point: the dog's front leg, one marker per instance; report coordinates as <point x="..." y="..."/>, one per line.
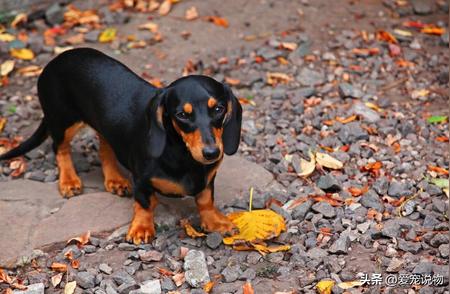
<point x="212" y="220"/>
<point x="142" y="228"/>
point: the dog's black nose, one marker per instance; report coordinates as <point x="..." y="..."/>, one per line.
<point x="210" y="152"/>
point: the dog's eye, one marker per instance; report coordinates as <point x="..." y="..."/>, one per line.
<point x="218" y="110"/>
<point x="182" y="115"/>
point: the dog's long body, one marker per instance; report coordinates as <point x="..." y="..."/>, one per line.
<point x="172" y="140"/>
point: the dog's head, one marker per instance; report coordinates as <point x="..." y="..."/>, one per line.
<point x="203" y="112"/>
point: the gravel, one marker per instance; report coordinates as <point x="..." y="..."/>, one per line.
<point x="196" y="270"/>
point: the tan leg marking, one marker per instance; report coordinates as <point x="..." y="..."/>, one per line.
<point x="142" y="228"/>
<point x="69" y="182"/>
<point x="115" y="182"/>
<point x="212" y="220"/>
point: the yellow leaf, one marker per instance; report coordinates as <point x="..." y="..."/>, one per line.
<point x="307" y="167"/>
<point x="108" y="35"/>
<point x="373" y="106"/>
<point x="59" y="50"/>
<point x="6" y="67"/>
<point x="24" y="53"/>
<point x="325" y="286"/>
<point x="190" y="231"/>
<point x="255" y="225"/>
<point x="165" y="7"/>
<point x="3" y="121"/>
<point x="349" y="284"/>
<point x="5" y="37"/>
<point x="208" y="286"/>
<point x="263" y="249"/>
<point x="328" y="161"/>
<point x="70" y="287"/>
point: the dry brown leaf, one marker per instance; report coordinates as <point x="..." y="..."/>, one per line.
<point x="209" y="286"/>
<point x="332" y="200"/>
<point x="165" y="7"/>
<point x="190" y="231"/>
<point x="178" y="279"/>
<point x="307" y="167"/>
<point x="75" y="264"/>
<point x="386" y="36"/>
<point x="69" y="288"/>
<point x="59" y="267"/>
<point x="30" y="71"/>
<point x="151" y="26"/>
<point x="350" y="284"/>
<point x="7" y="67"/>
<point x="291" y="46"/>
<point x="442" y="139"/>
<point x="263" y="248"/>
<point x="218" y="21"/>
<point x="75" y="39"/>
<point x="433" y="31"/>
<point x="56" y="279"/>
<point x="81" y="240"/>
<point x="274" y="78"/>
<point x="191" y="13"/>
<point x="328" y="161"/>
<point x="4" y="277"/>
<point x="232" y="81"/>
<point x="247" y="288"/>
<point x="346" y="120"/>
<point x="18" y="166"/>
<point x="356" y="192"/>
<point x="437" y="169"/>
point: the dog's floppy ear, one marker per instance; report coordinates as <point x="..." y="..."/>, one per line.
<point x="232" y="124"/>
<point x="156" y="133"/>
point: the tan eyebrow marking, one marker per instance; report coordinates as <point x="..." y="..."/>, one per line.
<point x="212" y="102"/>
<point x="187" y="108"/>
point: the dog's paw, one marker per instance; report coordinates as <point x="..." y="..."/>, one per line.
<point x="215" y="221"/>
<point x="119" y="186"/>
<point x="70" y="187"/>
<point x="139" y="232"/>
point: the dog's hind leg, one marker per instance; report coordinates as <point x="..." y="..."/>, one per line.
<point x="115" y="182"/>
<point x="69" y="182"/>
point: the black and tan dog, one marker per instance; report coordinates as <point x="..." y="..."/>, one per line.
<point x="172" y="140"/>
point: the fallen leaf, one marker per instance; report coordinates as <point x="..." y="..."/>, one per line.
<point x="108" y="35"/>
<point x="23" y="53"/>
<point x="59" y="267"/>
<point x="386" y="36"/>
<point x="19" y="19"/>
<point x="366" y="51"/>
<point x="439" y="170"/>
<point x="349" y="284"/>
<point x="437" y="119"/>
<point x="418" y="93"/>
<point x="75" y="39"/>
<point x="328" y="161"/>
<point x="327" y="198"/>
<point x="274" y="78"/>
<point x="307" y="167"/>
<point x="255" y="225"/>
<point x="263" y="249"/>
<point x="218" y="21"/>
<point x="232" y="82"/>
<point x="403" y="33"/>
<point x="209" y="286"/>
<point x="178" y="279"/>
<point x="442" y="139"/>
<point x="394" y="50"/>
<point x="325" y="286"/>
<point x="441" y="183"/>
<point x="404" y="63"/>
<point x="18" y="166"/>
<point x="59" y="50"/>
<point x="75" y="264"/>
<point x="69" y="288"/>
<point x="191" y="13"/>
<point x="5" y="37"/>
<point x="433" y="31"/>
<point x="291" y="46"/>
<point x="165" y="7"/>
<point x="3" y="122"/>
<point x="356" y="192"/>
<point x="69" y="254"/>
<point x="247" y="288"/>
<point x="81" y="240"/>
<point x="151" y="26"/>
<point x="56" y="279"/>
<point x="346" y="120"/>
<point x="282" y="60"/>
<point x="7" y="67"/>
<point x="30" y="71"/>
<point x="74" y="16"/>
<point x="165" y="272"/>
<point x="413" y="24"/>
<point x="8" y="291"/>
<point x="4" y="277"/>
<point x="190" y="231"/>
<point x="373" y="168"/>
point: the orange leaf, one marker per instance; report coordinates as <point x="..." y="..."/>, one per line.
<point x="59" y="267"/>
<point x="247" y="288"/>
<point x="165" y="272"/>
<point x="232" y="82"/>
<point x="358" y="191"/>
<point x="4" y="277"/>
<point x="69" y="255"/>
<point x="404" y="63"/>
<point x="398" y="202"/>
<point x="19" y="166"/>
<point x="326" y="231"/>
<point x="387" y="37"/>
<point x="218" y="21"/>
<point x="439" y="170"/>
<point x="81" y="240"/>
<point x="208" y="286"/>
<point x="327" y="198"/>
<point x="442" y="139"/>
<point x="414" y="24"/>
<point x="190" y="231"/>
<point x="165" y="7"/>
<point x="396" y="146"/>
<point x="433" y="31"/>
<point x="75" y="264"/>
<point x="344" y="148"/>
<point x="346" y="120"/>
<point x="178" y="279"/>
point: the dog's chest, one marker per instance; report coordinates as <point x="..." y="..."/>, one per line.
<point x="187" y="184"/>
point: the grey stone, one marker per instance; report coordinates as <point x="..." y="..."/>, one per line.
<point x="213" y="240"/>
<point x="300" y="211"/>
<point x="248" y="274"/>
<point x="196" y="270"/>
<point x="347" y="90"/>
<point x="92" y="36"/>
<point x="422" y="7"/>
<point x="393" y="227"/>
<point x="37" y="176"/>
<point x="316" y="253"/>
<point x="122" y="277"/>
<point x="126" y="288"/>
<point x="325" y="209"/>
<point x="430" y="221"/>
<point x="167" y="284"/>
<point x="423" y="268"/>
<point x="370" y="199"/>
<point x="308" y="77"/>
<point x="352" y="132"/>
<point x="148" y="287"/>
<point x="54" y="14"/>
<point x="76" y="252"/>
<point x="399" y="189"/>
<point x="329" y="183"/>
<point x="105" y="268"/>
<point x="413" y="247"/>
<point x="231" y="273"/>
<point x="85" y="280"/>
<point x="341" y="245"/>
<point x="127" y="246"/>
<point x="37" y="288"/>
<point x="444" y="250"/>
<point x="151" y="255"/>
<point x="439" y="239"/>
<point x="306" y="92"/>
<point x="368" y="114"/>
<point x="395" y="265"/>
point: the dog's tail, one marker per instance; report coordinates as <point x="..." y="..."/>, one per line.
<point x="35" y="140"/>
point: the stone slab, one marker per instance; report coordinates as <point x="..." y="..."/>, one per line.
<point x="33" y="214"/>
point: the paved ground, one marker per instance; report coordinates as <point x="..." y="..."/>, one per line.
<point x="363" y="81"/>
